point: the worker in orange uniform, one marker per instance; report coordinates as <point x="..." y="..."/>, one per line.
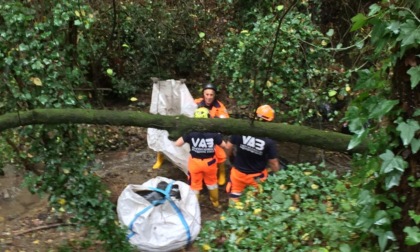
<point x="217" y="110"/>
<point x="202" y="161"/>
<point x="253" y="156"/>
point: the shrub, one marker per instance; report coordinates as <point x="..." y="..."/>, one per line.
<point x="299" y="209"/>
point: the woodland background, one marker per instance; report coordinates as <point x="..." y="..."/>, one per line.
<point x="343" y="62"/>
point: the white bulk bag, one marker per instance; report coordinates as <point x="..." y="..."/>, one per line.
<point x="170" y="97"/>
<point x="167" y="225"/>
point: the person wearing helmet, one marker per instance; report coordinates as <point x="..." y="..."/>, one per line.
<point x="217" y="110"/>
<point x="202" y="163"/>
<point x="253" y="156"/>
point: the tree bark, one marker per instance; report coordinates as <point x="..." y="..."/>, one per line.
<point x="409" y="101"/>
<point x="178" y="125"/>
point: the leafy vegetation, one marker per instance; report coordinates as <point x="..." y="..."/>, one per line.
<point x="46" y="57"/>
<point x="57" y="54"/>
<point x="303" y="208"/>
<point x="282" y="59"/>
<point x="384" y="112"/>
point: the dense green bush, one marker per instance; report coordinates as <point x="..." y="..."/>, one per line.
<point x="303" y="208"/>
<point x="155" y="39"/>
<point x="46" y="55"/>
<point x="283" y="61"/>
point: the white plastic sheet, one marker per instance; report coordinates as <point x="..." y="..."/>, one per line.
<point x="170" y="97"/>
<point x="169" y="226"/>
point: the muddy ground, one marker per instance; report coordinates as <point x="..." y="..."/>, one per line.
<point x="27" y="223"/>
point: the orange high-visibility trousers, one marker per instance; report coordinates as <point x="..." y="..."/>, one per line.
<point x="239" y="181"/>
<point x="201" y="169"/>
<point x="220" y="154"/>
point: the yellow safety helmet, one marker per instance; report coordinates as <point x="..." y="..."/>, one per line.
<point x="265" y="112"/>
<point x="202" y="113"/>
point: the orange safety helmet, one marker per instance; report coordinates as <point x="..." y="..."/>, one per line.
<point x="265" y="112"/>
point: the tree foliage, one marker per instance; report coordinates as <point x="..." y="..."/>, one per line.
<point x="46" y="52"/>
<point x="281" y="58"/>
<point x="388" y="103"/>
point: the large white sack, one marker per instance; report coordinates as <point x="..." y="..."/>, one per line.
<point x="169" y="226"/>
<point x="170" y="97"/>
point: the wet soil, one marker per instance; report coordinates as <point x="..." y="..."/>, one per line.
<point x="27" y="223"/>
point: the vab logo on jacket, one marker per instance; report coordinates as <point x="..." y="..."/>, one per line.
<point x="203" y="142"/>
<point x="253" y="142"/>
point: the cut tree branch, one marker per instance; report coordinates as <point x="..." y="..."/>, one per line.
<point x="178" y="125"/>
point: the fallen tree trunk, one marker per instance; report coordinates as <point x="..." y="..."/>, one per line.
<point x="177" y="125"/>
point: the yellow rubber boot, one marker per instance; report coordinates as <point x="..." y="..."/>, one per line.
<point x="159" y="160"/>
<point x="214" y="197"/>
<point x="197" y="194"/>
<point x="221" y="174"/>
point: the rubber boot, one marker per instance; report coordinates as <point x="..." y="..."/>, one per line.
<point x="214" y="197"/>
<point x="197" y="194"/>
<point x="221" y="174"/>
<point x="159" y="160"/>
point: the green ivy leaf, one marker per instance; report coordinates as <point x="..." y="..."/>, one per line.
<point x="414" y="216"/>
<point x="409" y="34"/>
<point x="394" y="27"/>
<point x="365" y="198"/>
<point x="364" y="222"/>
<point x="345" y="248"/>
<point x="355" y="141"/>
<point x="332" y="93"/>
<point x="408" y="130"/>
<point x="330" y="32"/>
<point x="382" y="108"/>
<point x="23" y="47"/>
<point x="201" y="34"/>
<point x="37" y="65"/>
<point x="415" y="145"/>
<point x="383" y="237"/>
<point x="392" y="179"/>
<point x="358" y="21"/>
<point x="413" y="236"/>
<point x="374" y="8"/>
<point x="381" y="218"/>
<point x="414" y="73"/>
<point x="280" y="7"/>
<point x="278" y="196"/>
<point x="43" y="99"/>
<point x="359" y="44"/>
<point x="391" y="162"/>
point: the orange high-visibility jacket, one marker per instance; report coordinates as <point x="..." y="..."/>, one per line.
<point x="217" y="109"/>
